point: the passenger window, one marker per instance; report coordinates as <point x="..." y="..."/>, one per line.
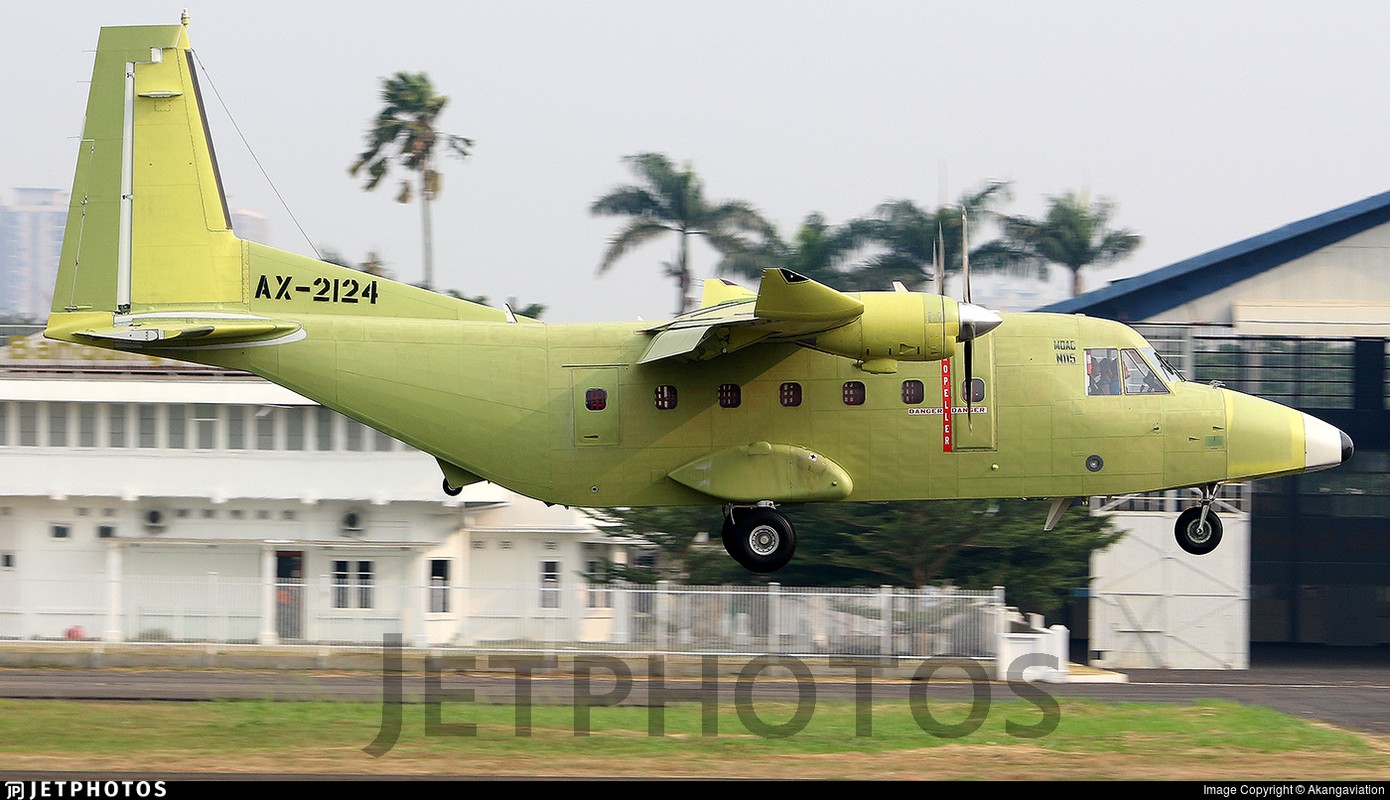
<point x="974" y="389"/>
<point x="1102" y="371"/>
<point x="854" y="393"/>
<point x="914" y="393"/>
<point x="665" y="397"/>
<point x="790" y="395"/>
<point x="730" y="396"/>
<point x="594" y="400"/>
<point x="1139" y="377"/>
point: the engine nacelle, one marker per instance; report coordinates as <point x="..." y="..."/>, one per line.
<point x="897" y="326"/>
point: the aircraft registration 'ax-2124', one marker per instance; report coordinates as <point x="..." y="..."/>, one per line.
<point x="795" y="394"/>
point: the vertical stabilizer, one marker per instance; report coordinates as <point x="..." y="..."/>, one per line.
<point x="148" y="225"/>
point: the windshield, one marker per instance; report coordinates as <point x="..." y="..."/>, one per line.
<point x="1168" y="371"/>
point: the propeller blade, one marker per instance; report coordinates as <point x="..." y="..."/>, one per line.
<point x="938" y="258"/>
<point x="964" y="258"/>
<point x="969" y="383"/>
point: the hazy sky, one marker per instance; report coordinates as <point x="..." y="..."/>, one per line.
<point x="1206" y="122"/>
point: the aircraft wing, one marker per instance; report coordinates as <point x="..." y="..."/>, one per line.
<point x="787" y="307"/>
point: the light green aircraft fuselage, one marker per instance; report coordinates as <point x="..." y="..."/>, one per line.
<point x="795" y="394"/>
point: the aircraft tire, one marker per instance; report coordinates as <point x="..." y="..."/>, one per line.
<point x="1195" y="538"/>
<point x="761" y="540"/>
<point x="452" y="491"/>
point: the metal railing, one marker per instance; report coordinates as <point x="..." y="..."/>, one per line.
<point x="600" y="618"/>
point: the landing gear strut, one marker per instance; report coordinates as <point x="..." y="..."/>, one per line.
<point x="1199" y="529"/>
<point x="760" y="539"/>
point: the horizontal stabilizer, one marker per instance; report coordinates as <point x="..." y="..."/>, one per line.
<point x="163" y="331"/>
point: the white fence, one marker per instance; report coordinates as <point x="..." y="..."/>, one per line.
<point x="616" y="618"/>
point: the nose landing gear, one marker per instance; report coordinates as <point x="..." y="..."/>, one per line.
<point x="1198" y="529"/>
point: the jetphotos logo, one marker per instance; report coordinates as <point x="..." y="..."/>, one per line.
<point x="601" y="681"/>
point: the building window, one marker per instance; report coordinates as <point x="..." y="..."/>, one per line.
<point x="595" y="399"/>
<point x="789" y="395"/>
<point x="59" y="531"/>
<point x="853" y="393"/>
<point x="439" y="585"/>
<point x="323" y="429"/>
<point x="57" y="424"/>
<point x="264" y="423"/>
<point x="28" y="425"/>
<point x="665" y="397"/>
<point x="236" y="427"/>
<point x="914" y="393"/>
<point x="115" y="426"/>
<point x="730" y="395"/>
<point x="600" y="593"/>
<point x="294" y="428"/>
<point x="7" y="560"/>
<point x="86" y="425"/>
<point x="149" y="426"/>
<point x="550" y="584"/>
<point x="106" y="531"/>
<point x="4" y="424"/>
<point x="178" y="425"/>
<point x="352" y="584"/>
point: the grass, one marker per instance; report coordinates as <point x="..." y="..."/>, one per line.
<point x="1213" y="740"/>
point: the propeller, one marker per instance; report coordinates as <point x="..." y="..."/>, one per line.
<point x="975" y="321"/>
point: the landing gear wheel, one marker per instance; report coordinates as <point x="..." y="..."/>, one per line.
<point x="1193" y="535"/>
<point x="760" y="539"/>
<point x="452" y="491"/>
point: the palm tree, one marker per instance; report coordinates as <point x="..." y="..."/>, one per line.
<point x="1075" y="233"/>
<point x="670" y="200"/>
<point x="909" y="236"/>
<point x="820" y="251"/>
<point x="404" y="132"/>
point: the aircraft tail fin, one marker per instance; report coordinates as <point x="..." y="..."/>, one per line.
<point x="149" y="241"/>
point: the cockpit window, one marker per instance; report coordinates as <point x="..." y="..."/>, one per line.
<point x="1102" y="371"/>
<point x="1139" y="377"/>
<point x="1167" y="370"/>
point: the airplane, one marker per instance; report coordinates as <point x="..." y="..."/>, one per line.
<point x="793" y="394"/>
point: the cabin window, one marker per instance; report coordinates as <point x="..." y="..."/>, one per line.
<point x="596" y="399"/>
<point x="853" y="393"/>
<point x="914" y="392"/>
<point x="1139" y="377"/>
<point x="974" y="389"/>
<point x="730" y="395"/>
<point x="1102" y="371"/>
<point x="790" y="394"/>
<point x="665" y="397"/>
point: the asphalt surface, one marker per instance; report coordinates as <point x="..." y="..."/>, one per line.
<point x="1346" y="687"/>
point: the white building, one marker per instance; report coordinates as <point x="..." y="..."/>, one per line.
<point x="31" y="238"/>
<point x="144" y="499"/>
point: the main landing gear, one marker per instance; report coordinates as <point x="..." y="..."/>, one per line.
<point x="759" y="538"/>
<point x="1199" y="529"/>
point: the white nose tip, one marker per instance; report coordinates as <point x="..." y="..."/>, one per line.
<point x="1324" y="445"/>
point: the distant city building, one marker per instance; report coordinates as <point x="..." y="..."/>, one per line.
<point x="31" y="238"/>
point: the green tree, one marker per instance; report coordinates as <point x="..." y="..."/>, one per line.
<point x="907" y="236"/>
<point x="974" y="544"/>
<point x="405" y="133"/>
<point x="820" y="251"/>
<point x="666" y="199"/>
<point x="1074" y="233"/>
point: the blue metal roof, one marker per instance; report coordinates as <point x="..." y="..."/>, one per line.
<point x="1150" y="294"/>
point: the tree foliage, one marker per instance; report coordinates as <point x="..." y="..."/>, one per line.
<point x="1074" y="233"/>
<point x="975" y="544"/>
<point x="405" y="133"/>
<point x="669" y="199"/>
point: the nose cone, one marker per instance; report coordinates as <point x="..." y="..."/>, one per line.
<point x="976" y="321"/>
<point x="1324" y="446"/>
